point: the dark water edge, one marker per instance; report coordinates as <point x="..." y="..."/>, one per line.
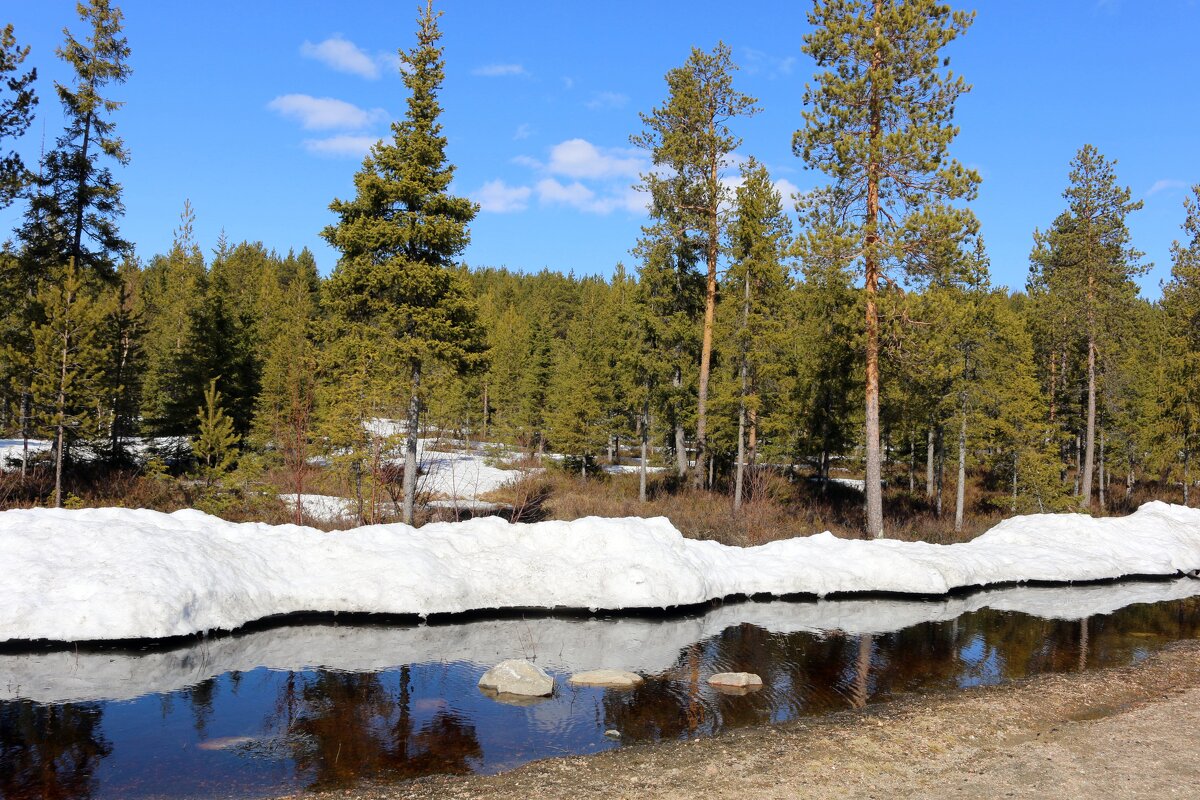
<point x="329" y="705"/>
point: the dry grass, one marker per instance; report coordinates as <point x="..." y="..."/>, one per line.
<point x="775" y="508"/>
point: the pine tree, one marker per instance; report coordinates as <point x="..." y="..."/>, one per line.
<point x="74" y="210"/>
<point x="690" y="141"/>
<point x="215" y="442"/>
<point x="758" y="285"/>
<point x="16" y="113"/>
<point x="827" y="346"/>
<point x="1084" y="265"/>
<point x="177" y="371"/>
<point x="579" y="389"/>
<point x="67" y="363"/>
<point x="399" y="237"/>
<point x="879" y="122"/>
<point x="1181" y="304"/>
<point x="671" y="294"/>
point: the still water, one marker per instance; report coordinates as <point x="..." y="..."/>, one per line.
<point x="324" y="706"/>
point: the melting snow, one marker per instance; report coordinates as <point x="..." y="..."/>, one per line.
<point x="120" y="573"/>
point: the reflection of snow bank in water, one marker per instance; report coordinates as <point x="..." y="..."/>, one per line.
<point x="562" y="645"/>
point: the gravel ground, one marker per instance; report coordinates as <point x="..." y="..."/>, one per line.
<point x="1116" y="733"/>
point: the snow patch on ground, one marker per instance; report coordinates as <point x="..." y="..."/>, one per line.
<point x="117" y="573"/>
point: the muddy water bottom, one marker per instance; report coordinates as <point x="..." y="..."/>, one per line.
<point x="324" y="706"/>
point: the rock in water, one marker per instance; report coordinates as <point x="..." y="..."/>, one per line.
<point x="735" y="680"/>
<point x="612" y="678"/>
<point x="516" y="676"/>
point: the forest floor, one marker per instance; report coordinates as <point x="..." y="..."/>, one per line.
<point x="1116" y="733"/>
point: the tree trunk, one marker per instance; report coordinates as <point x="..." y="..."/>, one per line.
<point x="81" y="194"/>
<point x="681" y="459"/>
<point x="752" y="446"/>
<point x="486" y="412"/>
<point x="1102" y="475"/>
<point x="1014" y="491"/>
<point x="741" y="442"/>
<point x="24" y="435"/>
<point x="874" y="477"/>
<point x="410" y="446"/>
<point x="941" y="470"/>
<point x="960" y="490"/>
<point x="912" y="464"/>
<point x="1089" y="444"/>
<point x="62" y="407"/>
<point x="929" y="457"/>
<point x="644" y="426"/>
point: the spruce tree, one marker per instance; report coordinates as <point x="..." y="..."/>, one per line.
<point x="1084" y="267"/>
<point x="399" y="238"/>
<point x="67" y="363"/>
<point x="215" y="442"/>
<point x="76" y="203"/>
<point x="690" y="143"/>
<point x="879" y="122"/>
<point x="1181" y="304"/>
<point x="671" y="294"/>
<point x="758" y="284"/>
<point x="17" y="102"/>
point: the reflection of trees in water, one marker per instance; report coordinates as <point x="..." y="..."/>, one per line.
<point x="200" y="697"/>
<point x="348" y="726"/>
<point x="807" y="673"/>
<point x="50" y="752"/>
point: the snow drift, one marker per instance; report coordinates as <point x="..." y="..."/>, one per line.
<point x="121" y="574"/>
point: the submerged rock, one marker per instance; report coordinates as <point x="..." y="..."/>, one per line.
<point x="518" y="677"/>
<point x="612" y="678"/>
<point x="735" y="680"/>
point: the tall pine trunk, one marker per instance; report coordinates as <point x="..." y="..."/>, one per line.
<point x="1102" y="475"/>
<point x="741" y="442"/>
<point x="644" y="432"/>
<point x="1089" y="445"/>
<point x="410" y="446"/>
<point x="681" y="459"/>
<point x="929" y="454"/>
<point x="874" y="476"/>
<point x="61" y="409"/>
<point x="960" y="490"/>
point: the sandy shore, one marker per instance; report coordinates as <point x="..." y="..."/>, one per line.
<point x="1117" y="733"/>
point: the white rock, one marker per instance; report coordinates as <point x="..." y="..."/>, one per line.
<point x="516" y="676"/>
<point x="612" y="678"/>
<point x="736" y="680"/>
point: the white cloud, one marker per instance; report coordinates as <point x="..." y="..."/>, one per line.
<point x="524" y="131"/>
<point x="607" y="100"/>
<point x="568" y="83"/>
<point x="787" y="190"/>
<point x="1165" y="185"/>
<point x="499" y="70"/>
<point x="576" y="195"/>
<point x="756" y="61"/>
<point x="500" y="198"/>
<point x="324" y="113"/>
<point x="342" y="55"/>
<point x="339" y="146"/>
<point x="579" y="158"/>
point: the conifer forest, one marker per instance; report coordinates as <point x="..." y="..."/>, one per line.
<point x="759" y="366"/>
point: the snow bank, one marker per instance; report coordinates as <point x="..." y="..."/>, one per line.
<point x="120" y="573"/>
<point x="560" y="645"/>
<point x="13" y="450"/>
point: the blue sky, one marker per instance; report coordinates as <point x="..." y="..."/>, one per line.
<point x="259" y="112"/>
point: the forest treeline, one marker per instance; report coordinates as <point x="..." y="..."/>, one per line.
<point x="853" y="328"/>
